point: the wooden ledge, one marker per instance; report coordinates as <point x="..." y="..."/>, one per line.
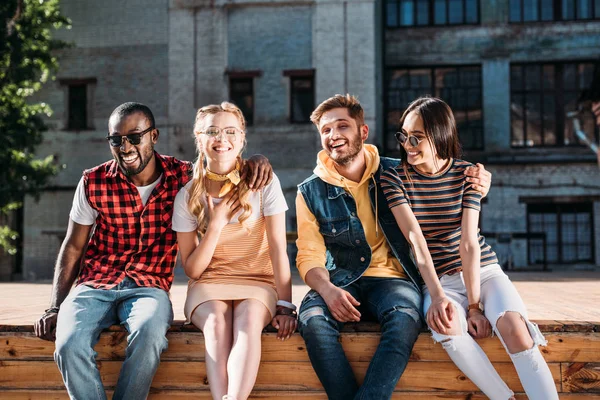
<point x="355" y="327"/>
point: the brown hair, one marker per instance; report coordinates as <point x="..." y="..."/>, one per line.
<point x="348" y="102"/>
<point x="440" y="127"/>
<point x="198" y="188"/>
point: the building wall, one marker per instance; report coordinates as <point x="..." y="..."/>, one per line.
<point x="555" y="174"/>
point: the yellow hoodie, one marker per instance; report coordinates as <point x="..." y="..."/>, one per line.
<point x="310" y="243"/>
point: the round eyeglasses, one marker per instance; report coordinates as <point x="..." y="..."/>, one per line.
<point x="214" y="132"/>
<point x="401" y="137"/>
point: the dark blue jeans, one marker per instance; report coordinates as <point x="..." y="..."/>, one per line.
<point x="396" y="305"/>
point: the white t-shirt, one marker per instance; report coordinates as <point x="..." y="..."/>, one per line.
<point x="83" y="213"/>
<point x="273" y="203"/>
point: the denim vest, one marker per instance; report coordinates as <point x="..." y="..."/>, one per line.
<point x="348" y="252"/>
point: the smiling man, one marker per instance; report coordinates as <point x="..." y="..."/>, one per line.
<point x="122" y="250"/>
<point x="354" y="257"/>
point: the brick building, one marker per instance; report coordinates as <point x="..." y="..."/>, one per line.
<point x="510" y="70"/>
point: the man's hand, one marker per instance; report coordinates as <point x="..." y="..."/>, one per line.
<point x="480" y="178"/>
<point x="479" y="326"/>
<point x="285" y="325"/>
<point x="341" y="304"/>
<point x="440" y="315"/>
<point x="259" y="170"/>
<point x="45" y="327"/>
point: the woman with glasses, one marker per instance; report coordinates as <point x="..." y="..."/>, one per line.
<point x="466" y="293"/>
<point x="233" y="248"/>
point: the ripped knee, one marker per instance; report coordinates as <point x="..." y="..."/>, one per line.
<point x="310" y="313"/>
<point x="398" y="311"/>
<point x="517" y="333"/>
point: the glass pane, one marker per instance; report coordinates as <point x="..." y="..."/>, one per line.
<point x="584" y="9"/>
<point x="399" y="79"/>
<point x="515" y="11"/>
<point x="391" y="13"/>
<point x="549" y="118"/>
<point x="517" y="121"/>
<point x="532" y="77"/>
<point x="422" y="12"/>
<point x="446" y="77"/>
<point x="533" y="120"/>
<point x="455" y="13"/>
<point x="470" y="76"/>
<point x="241" y="93"/>
<point x="570" y="100"/>
<point x="597" y="9"/>
<point x="568" y="9"/>
<point x="548" y="76"/>
<point x="530" y="10"/>
<point x="420" y="78"/>
<point x="439" y="12"/>
<point x="516" y="77"/>
<point x="586" y="74"/>
<point x="472" y="11"/>
<point x="77" y="107"/>
<point x="570" y="77"/>
<point x="303" y="99"/>
<point x="407" y="13"/>
<point x="547" y="10"/>
<point x="474" y="99"/>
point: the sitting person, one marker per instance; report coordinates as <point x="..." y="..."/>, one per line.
<point x="239" y="271"/>
<point x="466" y="292"/>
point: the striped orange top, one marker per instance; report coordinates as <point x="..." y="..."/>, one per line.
<point x="437" y="202"/>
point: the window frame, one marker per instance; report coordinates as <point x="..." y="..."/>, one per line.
<point x="296" y="75"/>
<point x="558" y="91"/>
<point x="560" y="209"/>
<point x="556" y="11"/>
<point x="244" y="76"/>
<point x="431" y="14"/>
<point x="89" y="86"/>
<point x="432" y="90"/>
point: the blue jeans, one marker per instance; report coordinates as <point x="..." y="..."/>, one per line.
<point x="396" y="305"/>
<point x="145" y="312"/>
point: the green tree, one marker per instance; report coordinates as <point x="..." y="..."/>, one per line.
<point x="26" y="63"/>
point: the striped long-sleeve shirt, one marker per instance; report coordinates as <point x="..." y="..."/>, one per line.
<point x="437" y="202"/>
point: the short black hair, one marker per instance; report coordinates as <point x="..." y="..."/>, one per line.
<point x="131" y="107"/>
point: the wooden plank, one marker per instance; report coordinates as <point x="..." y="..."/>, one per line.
<point x="275" y="395"/>
<point x="272" y="375"/>
<point x="578" y="326"/>
<point x="562" y="347"/>
<point x="581" y="377"/>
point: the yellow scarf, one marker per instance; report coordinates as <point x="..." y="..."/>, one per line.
<point x="232" y="178"/>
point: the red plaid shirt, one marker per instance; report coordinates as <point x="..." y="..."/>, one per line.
<point x="131" y="239"/>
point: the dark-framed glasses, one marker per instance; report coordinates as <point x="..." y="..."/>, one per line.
<point x="401" y="137"/>
<point x="133" y="138"/>
<point x="214" y="132"/>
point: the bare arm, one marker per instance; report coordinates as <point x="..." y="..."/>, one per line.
<point x="65" y="273"/>
<point x="470" y="255"/>
<point x="441" y="311"/>
<point x="285" y="324"/>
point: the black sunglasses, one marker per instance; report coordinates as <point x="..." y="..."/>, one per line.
<point x="412" y="140"/>
<point x="133" y="138"/>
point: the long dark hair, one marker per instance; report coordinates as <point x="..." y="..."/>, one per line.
<point x="439" y="125"/>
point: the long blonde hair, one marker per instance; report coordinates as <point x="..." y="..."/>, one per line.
<point x="197" y="191"/>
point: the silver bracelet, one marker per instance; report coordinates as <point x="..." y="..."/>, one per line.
<point x="286" y="304"/>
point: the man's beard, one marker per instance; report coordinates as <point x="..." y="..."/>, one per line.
<point x="130" y="171"/>
<point x="354" y="149"/>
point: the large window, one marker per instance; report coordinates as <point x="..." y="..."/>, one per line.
<point x="568" y="229"/>
<point x="460" y="87"/>
<point x="241" y="93"/>
<point x="404" y="13"/>
<point x="553" y="10"/>
<point x="541" y="96"/>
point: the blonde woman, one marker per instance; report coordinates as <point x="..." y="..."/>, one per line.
<point x="233" y="248"/>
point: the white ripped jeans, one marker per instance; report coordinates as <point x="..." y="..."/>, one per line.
<point x="498" y="296"/>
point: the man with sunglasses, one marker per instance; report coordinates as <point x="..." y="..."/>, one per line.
<point x="354" y="257"/>
<point x="122" y="250"/>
